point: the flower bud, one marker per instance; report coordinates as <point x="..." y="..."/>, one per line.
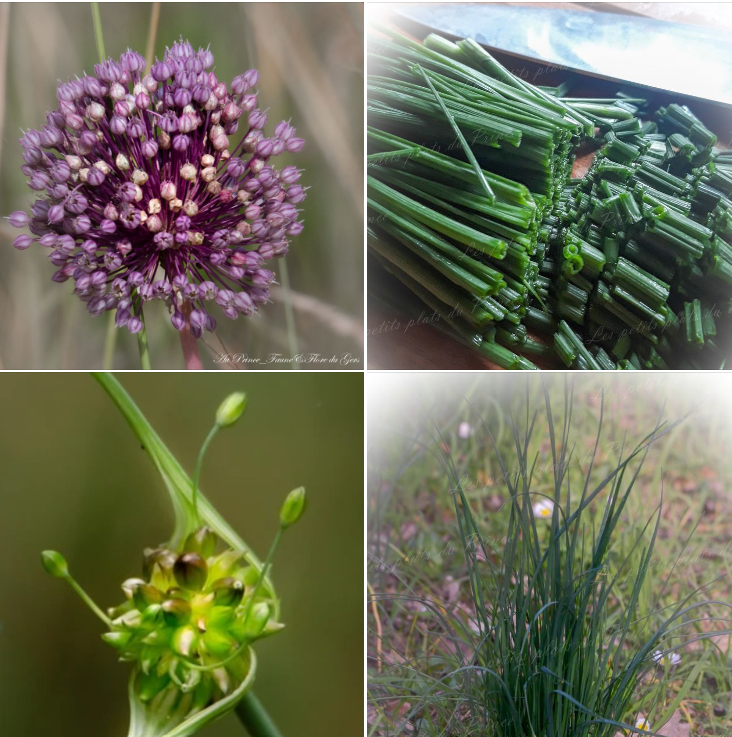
<point x="117" y="639"/>
<point x="55" y="564"/>
<point x="228" y="591"/>
<point x="185" y="640"/>
<point x="190" y="571"/>
<point x="257" y="621"/>
<point x="293" y="507"/>
<point x="231" y="409"/>
<point x="201" y="541"/>
<point x="176" y="612"/>
<point x="162" y="557"/>
<point x="145" y="594"/>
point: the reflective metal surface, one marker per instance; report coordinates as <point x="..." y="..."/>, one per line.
<point x="684" y="59"/>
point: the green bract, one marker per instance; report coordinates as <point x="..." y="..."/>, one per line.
<point x="188" y="623"/>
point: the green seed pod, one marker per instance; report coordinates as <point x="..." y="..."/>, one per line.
<point x="190" y="571"/>
<point x="231" y="409"/>
<point x="257" y="621"/>
<point x="161" y="556"/>
<point x="117" y="639"/>
<point x="176" y="612"/>
<point x="228" y="591"/>
<point x="202" y="541"/>
<point x="130" y="585"/>
<point x="185" y="640"/>
<point x="293" y="507"/>
<point x="55" y="564"/>
<point x="152" y="616"/>
<point x="218" y="643"/>
<point x="220" y="617"/>
<point x="145" y="594"/>
<point x="250" y="576"/>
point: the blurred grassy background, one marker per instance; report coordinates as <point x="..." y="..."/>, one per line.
<point x="75" y="480"/>
<point x="310" y="58"/>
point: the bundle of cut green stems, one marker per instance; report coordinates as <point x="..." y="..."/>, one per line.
<point x="472" y="207"/>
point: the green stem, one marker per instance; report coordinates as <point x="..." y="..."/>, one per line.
<point x="109" y="343"/>
<point x="142" y="344"/>
<point x="98" y="31"/>
<point x="197" y="471"/>
<point x="151" y="36"/>
<point x="265" y="570"/>
<point x="88" y="601"/>
<point x="255" y="718"/>
<point x="289" y="313"/>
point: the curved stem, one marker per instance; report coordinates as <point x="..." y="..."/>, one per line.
<point x="263" y="572"/>
<point x="98" y="31"/>
<point x="199" y="464"/>
<point x="289" y="313"/>
<point x="255" y="718"/>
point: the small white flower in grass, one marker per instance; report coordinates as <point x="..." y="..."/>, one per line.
<point x="672" y="659"/>
<point x="464" y="430"/>
<point x="543" y="508"/>
<point x="640" y="723"/>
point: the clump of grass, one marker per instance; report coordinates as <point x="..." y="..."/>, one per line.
<point x="554" y="649"/>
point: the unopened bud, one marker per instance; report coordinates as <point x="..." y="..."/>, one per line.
<point x="123" y="163"/>
<point x="55" y="564"/>
<point x="188" y="171"/>
<point x="228" y="591"/>
<point x="145" y="594"/>
<point x="185" y="640"/>
<point x="191" y="571"/>
<point x="293" y="507"/>
<point x="139" y="176"/>
<point x="168" y="190"/>
<point x="201" y="541"/>
<point x="176" y="612"/>
<point x="231" y="409"/>
<point x="190" y="208"/>
<point x="257" y="621"/>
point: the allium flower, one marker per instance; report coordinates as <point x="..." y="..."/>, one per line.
<point x="543" y="508"/>
<point x="143" y="197"/>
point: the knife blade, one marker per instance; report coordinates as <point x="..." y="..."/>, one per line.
<point x="684" y="59"/>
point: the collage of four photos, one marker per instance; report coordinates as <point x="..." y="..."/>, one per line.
<point x="382" y="212"/>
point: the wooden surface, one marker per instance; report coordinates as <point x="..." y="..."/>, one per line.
<point x="396" y="342"/>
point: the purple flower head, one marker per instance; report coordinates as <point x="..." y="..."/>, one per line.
<point x="138" y="178"/>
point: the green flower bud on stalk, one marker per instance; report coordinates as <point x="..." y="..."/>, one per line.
<point x="55" y="564"/>
<point x="292" y="507"/>
<point x="231" y="409"/>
